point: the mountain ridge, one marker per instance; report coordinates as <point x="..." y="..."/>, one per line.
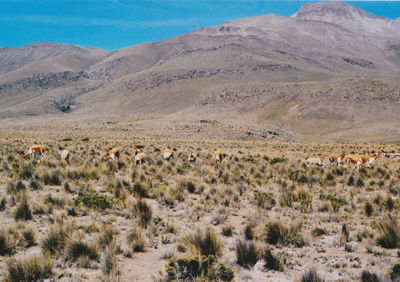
<point x="249" y="66"/>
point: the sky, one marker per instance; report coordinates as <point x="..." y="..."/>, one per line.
<point x="114" y="24"/>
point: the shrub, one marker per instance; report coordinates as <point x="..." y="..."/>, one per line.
<point x="94" y="200"/>
<point x="80" y="248"/>
<point x="143" y="211"/>
<point x="350" y="181"/>
<point x="33" y="269"/>
<point x="23" y="211"/>
<point x="277" y="160"/>
<point x="204" y="243"/>
<point x="389" y="232"/>
<point x="272" y="262"/>
<point x="394" y="271"/>
<point x="188" y="268"/>
<point x="247" y="253"/>
<point x="3" y="204"/>
<point x="264" y="200"/>
<point x="312" y="276"/>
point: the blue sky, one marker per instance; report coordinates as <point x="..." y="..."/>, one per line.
<point x="113" y="24"/>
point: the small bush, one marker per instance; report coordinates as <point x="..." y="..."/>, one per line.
<point x="188" y="268"/>
<point x="277" y="160"/>
<point x="312" y="276"/>
<point x="204" y="243"/>
<point x="94" y="200"/>
<point x="23" y="211"/>
<point x="33" y="269"/>
<point x="394" y="271"/>
<point x="247" y="253"/>
<point x="389" y="233"/>
<point x="272" y="262"/>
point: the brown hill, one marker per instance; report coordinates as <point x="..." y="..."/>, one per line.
<point x="330" y="70"/>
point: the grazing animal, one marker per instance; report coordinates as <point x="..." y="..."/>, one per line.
<point x="338" y="159"/>
<point x="112" y="154"/>
<point x="140" y="158"/>
<point x="65" y="156"/>
<point x="354" y="160"/>
<point x="136" y="151"/>
<point x="369" y="160"/>
<point x="167" y="154"/>
<point x="217" y="157"/>
<point x="34" y="150"/>
<point x="315" y="161"/>
<point x="191" y="158"/>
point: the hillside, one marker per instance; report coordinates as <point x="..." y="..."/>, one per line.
<point x="330" y="70"/>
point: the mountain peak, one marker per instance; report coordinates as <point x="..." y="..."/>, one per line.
<point x="345" y="15"/>
<point x="328" y="9"/>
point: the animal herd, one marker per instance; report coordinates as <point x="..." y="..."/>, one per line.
<point x="36" y="151"/>
<point x="364" y="161"/>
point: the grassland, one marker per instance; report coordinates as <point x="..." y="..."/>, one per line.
<point x="261" y="214"/>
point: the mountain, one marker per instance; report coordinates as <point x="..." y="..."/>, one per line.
<point x="327" y="70"/>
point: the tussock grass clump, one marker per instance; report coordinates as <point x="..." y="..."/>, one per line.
<point x="264" y="200"/>
<point x="272" y="262"/>
<point x="389" y="233"/>
<point x="278" y="233"/>
<point x="311" y="275"/>
<point x="35" y="185"/>
<point x="23" y="211"/>
<point x="227" y="231"/>
<point x="6" y="245"/>
<point x="79" y="248"/>
<point x="15" y="188"/>
<point x="248" y="232"/>
<point x="136" y="239"/>
<point x="367" y="276"/>
<point x="94" y="200"/>
<point x="204" y="243"/>
<point x="369" y="209"/>
<point x="143" y="211"/>
<point x="110" y="259"/>
<point x="55" y="240"/>
<point x="191" y="268"/>
<point x="139" y="189"/>
<point x="29" y="237"/>
<point x="33" y="269"/>
<point x="106" y="235"/>
<point x="247" y="253"/>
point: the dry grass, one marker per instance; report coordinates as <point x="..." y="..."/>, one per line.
<point x="266" y="208"/>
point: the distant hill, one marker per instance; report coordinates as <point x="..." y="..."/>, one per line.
<point x="331" y="70"/>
